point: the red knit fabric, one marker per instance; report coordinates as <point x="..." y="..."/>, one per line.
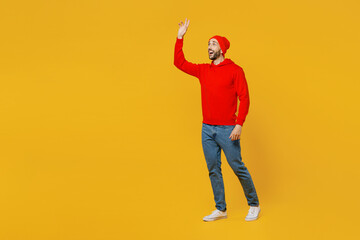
<point x="221" y="85"/>
<point x="223" y="42"/>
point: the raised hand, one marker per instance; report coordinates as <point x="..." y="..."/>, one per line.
<point x="183" y="28"/>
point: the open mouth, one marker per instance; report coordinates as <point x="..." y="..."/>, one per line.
<point x="211" y="52"/>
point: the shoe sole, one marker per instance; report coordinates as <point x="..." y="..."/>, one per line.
<point x="210" y="220"/>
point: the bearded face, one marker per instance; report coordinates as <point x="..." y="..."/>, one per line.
<point x="214" y="55"/>
<point x="214" y="49"/>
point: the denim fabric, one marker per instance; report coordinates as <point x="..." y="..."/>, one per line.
<point x="215" y="138"/>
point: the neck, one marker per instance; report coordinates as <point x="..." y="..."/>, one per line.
<point x="219" y="59"/>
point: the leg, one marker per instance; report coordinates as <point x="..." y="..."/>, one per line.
<point x="212" y="153"/>
<point x="232" y="152"/>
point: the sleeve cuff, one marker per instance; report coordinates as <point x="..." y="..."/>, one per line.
<point x="240" y="122"/>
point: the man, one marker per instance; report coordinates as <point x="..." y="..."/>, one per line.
<point x="221" y="82"/>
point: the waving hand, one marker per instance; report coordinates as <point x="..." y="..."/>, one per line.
<point x="183" y="28"/>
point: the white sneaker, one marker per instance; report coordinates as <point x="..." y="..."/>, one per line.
<point x="215" y="215"/>
<point x="253" y="213"/>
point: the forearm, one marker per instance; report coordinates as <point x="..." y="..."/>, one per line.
<point x="181" y="63"/>
<point x="179" y="57"/>
<point x="243" y="94"/>
<point x="243" y="110"/>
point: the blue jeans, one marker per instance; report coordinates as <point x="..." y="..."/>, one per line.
<point x="215" y="138"/>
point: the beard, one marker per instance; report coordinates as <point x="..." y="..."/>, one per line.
<point x="215" y="55"/>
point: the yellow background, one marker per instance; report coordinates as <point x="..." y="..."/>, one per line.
<point x="100" y="133"/>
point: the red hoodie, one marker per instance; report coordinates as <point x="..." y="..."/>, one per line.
<point x="220" y="86"/>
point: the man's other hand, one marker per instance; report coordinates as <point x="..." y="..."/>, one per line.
<point x="236" y="132"/>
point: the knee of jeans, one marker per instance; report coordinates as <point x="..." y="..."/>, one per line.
<point x="240" y="166"/>
<point x="215" y="174"/>
<point x="213" y="169"/>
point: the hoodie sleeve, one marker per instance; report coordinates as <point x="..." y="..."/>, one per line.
<point x="243" y="94"/>
<point x="181" y="63"/>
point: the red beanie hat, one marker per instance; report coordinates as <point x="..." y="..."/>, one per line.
<point x="224" y="43"/>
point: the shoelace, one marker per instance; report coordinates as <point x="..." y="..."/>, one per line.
<point x="252" y="211"/>
<point x="218" y="212"/>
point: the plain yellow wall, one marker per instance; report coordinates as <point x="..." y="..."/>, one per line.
<point x="100" y="134"/>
